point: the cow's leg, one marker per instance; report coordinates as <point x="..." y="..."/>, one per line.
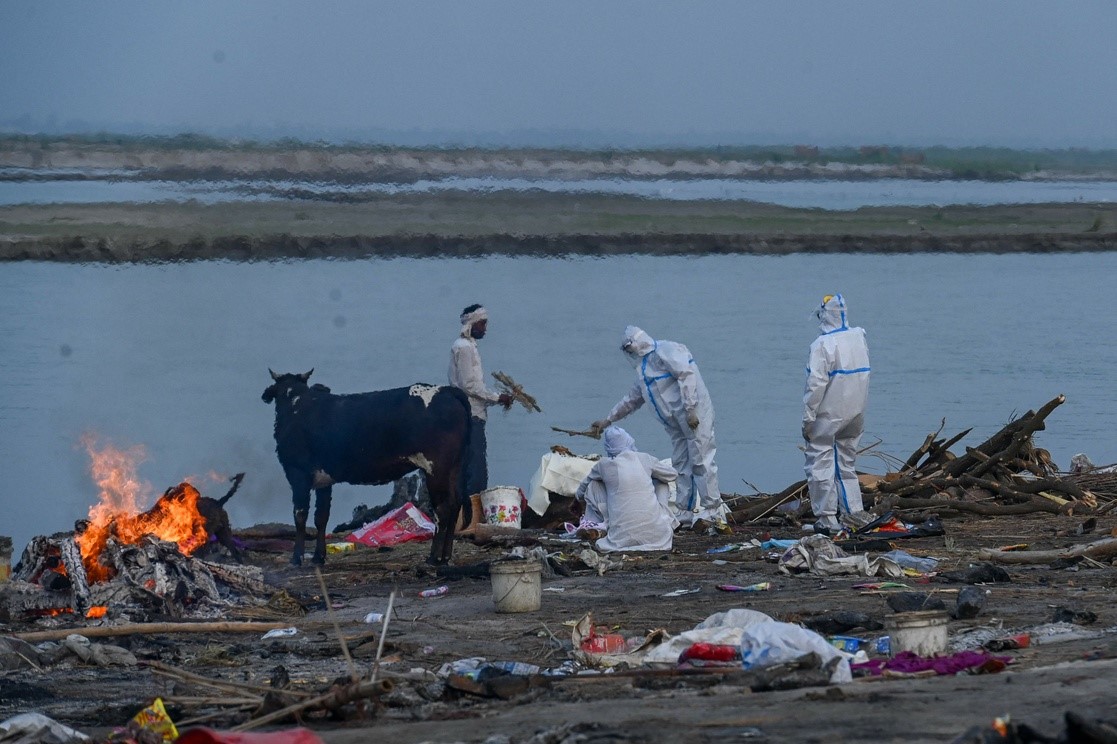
<point x="322" y="499"/>
<point x="300" y="499"/>
<point x="442" y="483"/>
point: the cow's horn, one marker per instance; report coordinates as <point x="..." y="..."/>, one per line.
<point x="274" y="376"/>
<point x="307" y="375"/>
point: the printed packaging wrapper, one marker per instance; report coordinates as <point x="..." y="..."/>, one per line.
<point x="400" y="525"/>
<point x="154" y="718"/>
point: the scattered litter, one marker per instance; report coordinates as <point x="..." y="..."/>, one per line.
<point x="913" y="602"/>
<point x="819" y="555"/>
<point x="35" y="727"/>
<point x="438" y="591"/>
<point x="1078" y="617"/>
<point x="840" y="621"/>
<point x="398" y="526"/>
<point x="907" y="560"/>
<point x="772" y="642"/>
<point x="153" y="720"/>
<point x="711" y="654"/>
<point x="340" y="547"/>
<point x="906" y="662"/>
<point x="280" y="633"/>
<point x="761" y="587"/>
<point x="681" y="592"/>
<point x="374" y="617"/>
<point x="554" y="588"/>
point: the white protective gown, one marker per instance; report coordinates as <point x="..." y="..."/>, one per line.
<point x="669" y="381"/>
<point x="834" y="401"/>
<point x="627" y="493"/>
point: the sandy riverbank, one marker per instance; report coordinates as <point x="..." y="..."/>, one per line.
<point x="531" y="224"/>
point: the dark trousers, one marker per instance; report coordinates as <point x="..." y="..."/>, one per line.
<point x="475" y="473"/>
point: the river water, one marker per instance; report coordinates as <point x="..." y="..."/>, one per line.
<point x="816" y="193"/>
<point x="175" y="357"/>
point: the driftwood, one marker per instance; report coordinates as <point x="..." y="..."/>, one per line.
<point x="332" y="700"/>
<point x="510" y="386"/>
<point x="1097" y="550"/>
<point x="754" y="509"/>
<point x="109" y="631"/>
<point x="591" y="433"/>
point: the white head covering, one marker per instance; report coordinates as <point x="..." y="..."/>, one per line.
<point x="617" y="440"/>
<point x="468" y="319"/>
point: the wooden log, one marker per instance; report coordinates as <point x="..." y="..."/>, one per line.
<point x="1026" y="425"/>
<point x="111" y="631"/>
<point x="985" y="510"/>
<point x="75" y="570"/>
<point x="1096" y="550"/>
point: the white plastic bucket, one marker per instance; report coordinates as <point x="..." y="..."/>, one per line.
<point x="517" y="585"/>
<point x="502" y="506"/>
<point x="923" y="633"/>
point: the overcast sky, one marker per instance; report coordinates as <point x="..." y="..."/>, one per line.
<point x="956" y="72"/>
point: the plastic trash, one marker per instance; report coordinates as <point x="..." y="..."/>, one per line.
<point x="681" y="592"/>
<point x="907" y="560"/>
<point x="400" y="525"/>
<point x="154" y="719"/>
<point x="606" y="643"/>
<point x="777" y="544"/>
<point x="35" y="727"/>
<point x="1020" y="640"/>
<point x="761" y="587"/>
<point x="772" y="642"/>
<point x="520" y="668"/>
<point x="970" y="602"/>
<point x="280" y="633"/>
<point x="438" y="591"/>
<point x="374" y="617"/>
<point x="700" y="654"/>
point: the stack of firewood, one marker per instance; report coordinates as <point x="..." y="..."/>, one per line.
<point x="1006" y="474"/>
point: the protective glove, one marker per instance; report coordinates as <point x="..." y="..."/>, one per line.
<point x="505" y="400"/>
<point x="599" y="426"/>
<point x="692" y="419"/>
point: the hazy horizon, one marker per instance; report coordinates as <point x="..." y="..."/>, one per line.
<point x="1028" y="75"/>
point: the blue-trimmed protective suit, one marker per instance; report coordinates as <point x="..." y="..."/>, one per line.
<point x="668" y="380"/>
<point x="834" y="401"/>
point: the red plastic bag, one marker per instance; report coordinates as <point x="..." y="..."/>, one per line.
<point x="711" y="652"/>
<point x="400" y="525"/>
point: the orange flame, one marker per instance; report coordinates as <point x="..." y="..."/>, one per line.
<point x="117" y="515"/>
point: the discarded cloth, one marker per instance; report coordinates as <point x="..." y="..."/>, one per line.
<point x="400" y="525"/>
<point x="906" y="662"/>
<point x="559" y="474"/>
<point x="817" y="554"/>
<point x="210" y="736"/>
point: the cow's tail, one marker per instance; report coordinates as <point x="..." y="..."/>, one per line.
<point x="236" y="479"/>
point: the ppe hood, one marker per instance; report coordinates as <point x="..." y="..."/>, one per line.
<point x="832" y="314"/>
<point x="636" y="342"/>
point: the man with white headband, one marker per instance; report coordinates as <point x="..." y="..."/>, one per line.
<point x="668" y="380"/>
<point x="628" y="493"/>
<point x="834" y="401"/>
<point x="466" y="373"/>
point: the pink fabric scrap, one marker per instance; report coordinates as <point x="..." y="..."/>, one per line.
<point x="906" y="662"/>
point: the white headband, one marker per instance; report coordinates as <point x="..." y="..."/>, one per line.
<point x="468" y="319"/>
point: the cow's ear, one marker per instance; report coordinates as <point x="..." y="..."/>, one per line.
<point x="306" y="375"/>
<point x="274" y="376"/>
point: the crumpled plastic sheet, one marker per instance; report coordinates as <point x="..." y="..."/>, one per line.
<point x="819" y="555"/>
<point x="763" y="642"/>
<point x="35" y="728"/>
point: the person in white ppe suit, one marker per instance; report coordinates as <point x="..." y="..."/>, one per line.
<point x="669" y="381"/>
<point x="627" y="493"/>
<point x="834" y="401"/>
<point x="466" y="373"/>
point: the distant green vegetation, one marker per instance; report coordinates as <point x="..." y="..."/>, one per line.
<point x="985" y="163"/>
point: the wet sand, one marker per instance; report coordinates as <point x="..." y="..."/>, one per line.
<point x="521" y="224"/>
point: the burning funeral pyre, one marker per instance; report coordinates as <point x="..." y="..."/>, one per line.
<point x="131" y="564"/>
